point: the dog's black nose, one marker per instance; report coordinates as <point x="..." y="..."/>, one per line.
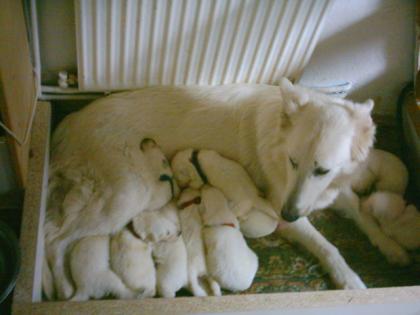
<point x="288" y="216"/>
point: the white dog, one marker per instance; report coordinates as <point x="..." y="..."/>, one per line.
<point x="195" y="168"/>
<point x="199" y="281"/>
<point x="100" y="202"/>
<point x="293" y="142"/>
<point x="398" y="220"/>
<point x="121" y="265"/>
<point x="229" y="259"/>
<point x="385" y="172"/>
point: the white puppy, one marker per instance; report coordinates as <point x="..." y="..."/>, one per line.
<point x="196" y="168"/>
<point x="189" y="215"/>
<point x="91" y="273"/>
<point x="383" y="170"/>
<point x="169" y="252"/>
<point x="131" y="259"/>
<point x="120" y="265"/>
<point x="229" y="259"/>
<point x="397" y="220"/>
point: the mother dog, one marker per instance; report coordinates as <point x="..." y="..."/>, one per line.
<point x="296" y="144"/>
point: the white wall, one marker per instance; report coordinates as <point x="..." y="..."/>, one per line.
<point x="369" y="43"/>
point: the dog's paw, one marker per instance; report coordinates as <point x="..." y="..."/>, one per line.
<point x="351" y="282"/>
<point x="397" y="255"/>
<point x="64" y="290"/>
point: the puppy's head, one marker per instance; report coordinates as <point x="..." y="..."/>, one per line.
<point x="326" y="137"/>
<point x="185" y="172"/>
<point x="215" y="209"/>
<point x="159" y="165"/>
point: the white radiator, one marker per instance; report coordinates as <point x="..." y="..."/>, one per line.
<point x="127" y="43"/>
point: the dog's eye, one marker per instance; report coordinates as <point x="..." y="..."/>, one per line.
<point x="319" y="171"/>
<point x="294" y="163"/>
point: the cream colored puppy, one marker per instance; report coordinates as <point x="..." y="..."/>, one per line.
<point x="397" y="220"/>
<point x="229" y="259"/>
<point x="169" y="252"/>
<point x="195" y="168"/>
<point x="191" y="223"/>
<point x="131" y="259"/>
<point x="121" y="265"/>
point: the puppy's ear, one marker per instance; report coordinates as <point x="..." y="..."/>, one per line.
<point x="293" y="96"/>
<point x="365" y="129"/>
<point x="147" y="143"/>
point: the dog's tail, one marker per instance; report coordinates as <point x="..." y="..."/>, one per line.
<point x="47" y="281"/>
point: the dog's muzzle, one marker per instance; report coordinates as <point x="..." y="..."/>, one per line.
<point x="289" y="216"/>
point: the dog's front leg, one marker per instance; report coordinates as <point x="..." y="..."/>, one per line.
<point x="304" y="233"/>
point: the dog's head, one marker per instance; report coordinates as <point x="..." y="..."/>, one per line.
<point x="184" y="170"/>
<point x="327" y="137"/>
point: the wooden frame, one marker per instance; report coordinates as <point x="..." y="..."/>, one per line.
<point x="27" y="296"/>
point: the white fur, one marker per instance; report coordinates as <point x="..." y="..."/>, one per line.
<point x="171" y="266"/>
<point x="93" y="278"/>
<point x="199" y="281"/>
<point x="398" y="220"/>
<point x="383" y="170"/>
<point x="158" y="225"/>
<point x="229" y="259"/>
<point x="258" y="126"/>
<point x="131" y="260"/>
<point x="100" y="199"/>
<point x="169" y="252"/>
<point x="257" y="217"/>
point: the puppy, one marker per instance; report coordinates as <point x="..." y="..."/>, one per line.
<point x="229" y="259"/>
<point x="189" y="215"/>
<point x="194" y="168"/>
<point x="131" y="259"/>
<point x="169" y="252"/>
<point x="397" y="220"/>
<point x="383" y="170"/>
<point x="94" y="276"/>
<point x="158" y="225"/>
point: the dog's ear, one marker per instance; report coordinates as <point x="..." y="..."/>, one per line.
<point x="293" y="96"/>
<point x="364" y="136"/>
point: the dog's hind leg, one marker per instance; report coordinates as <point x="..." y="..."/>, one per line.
<point x="304" y="233"/>
<point x="348" y="203"/>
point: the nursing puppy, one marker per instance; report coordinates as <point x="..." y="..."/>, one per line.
<point x="194" y="168"/>
<point x="229" y="259"/>
<point x="169" y="253"/>
<point x="399" y="221"/>
<point x="120" y="265"/>
<point x="100" y="204"/>
<point x="199" y="281"/>
<point x="293" y="142"/>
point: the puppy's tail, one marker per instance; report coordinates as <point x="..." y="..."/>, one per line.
<point x="47" y="281"/>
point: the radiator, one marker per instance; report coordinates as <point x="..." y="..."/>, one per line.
<point x="124" y="44"/>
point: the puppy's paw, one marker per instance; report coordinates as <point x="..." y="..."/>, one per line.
<point x="64" y="290"/>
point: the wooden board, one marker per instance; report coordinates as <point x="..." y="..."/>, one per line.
<point x="17" y="87"/>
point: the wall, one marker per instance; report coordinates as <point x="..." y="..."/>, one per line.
<point x="369" y="43"/>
